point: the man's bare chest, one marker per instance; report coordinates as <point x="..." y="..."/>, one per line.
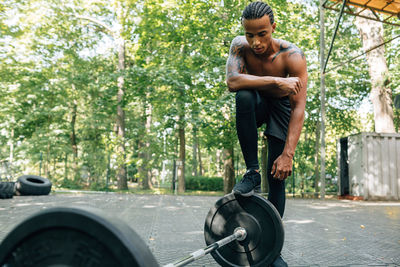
<point x="265" y="67"/>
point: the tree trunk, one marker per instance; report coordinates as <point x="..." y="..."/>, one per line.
<point x="175" y="163"/>
<point x="229" y="170"/>
<point x="142" y="170"/>
<point x="11" y="159"/>
<point x="149" y="113"/>
<point x="149" y="110"/>
<point x="264" y="165"/>
<point x="121" y="173"/>
<point x="182" y="154"/>
<point x="54" y="166"/>
<point x="195" y="147"/>
<point x="219" y="162"/>
<point x="173" y="184"/>
<point x="66" y="167"/>
<point x="150" y="184"/>
<point x="201" y="171"/>
<point x="316" y="157"/>
<point x="142" y="153"/>
<point x="47" y="165"/>
<point x="74" y="144"/>
<point x="381" y="95"/>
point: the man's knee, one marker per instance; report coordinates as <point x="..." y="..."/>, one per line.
<point x="245" y="101"/>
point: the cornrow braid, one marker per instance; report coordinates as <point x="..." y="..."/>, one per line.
<point x="256" y="10"/>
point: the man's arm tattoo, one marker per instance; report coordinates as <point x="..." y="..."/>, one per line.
<point x="235" y="64"/>
<point x="288" y="47"/>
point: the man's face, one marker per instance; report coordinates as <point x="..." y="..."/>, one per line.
<point x="259" y="33"/>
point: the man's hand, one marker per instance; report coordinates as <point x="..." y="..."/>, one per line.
<point x="290" y="85"/>
<point x="282" y="167"/>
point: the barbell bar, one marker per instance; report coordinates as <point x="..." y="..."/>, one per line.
<point x="239" y="234"/>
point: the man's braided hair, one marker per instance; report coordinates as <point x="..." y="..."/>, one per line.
<point x="256" y="10"/>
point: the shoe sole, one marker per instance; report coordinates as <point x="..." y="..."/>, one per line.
<point x="257" y="189"/>
<point x="249" y="194"/>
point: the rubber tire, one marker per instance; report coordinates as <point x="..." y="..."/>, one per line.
<point x="32" y="185"/>
<point x="7" y="190"/>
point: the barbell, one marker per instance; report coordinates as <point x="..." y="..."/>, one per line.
<point x="238" y="231"/>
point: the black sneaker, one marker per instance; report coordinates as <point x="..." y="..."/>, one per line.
<point x="249" y="184"/>
<point x="279" y="262"/>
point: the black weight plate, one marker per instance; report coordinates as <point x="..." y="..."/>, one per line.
<point x="70" y="236"/>
<point x="265" y="234"/>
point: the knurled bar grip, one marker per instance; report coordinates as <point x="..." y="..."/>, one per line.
<point x="238" y="234"/>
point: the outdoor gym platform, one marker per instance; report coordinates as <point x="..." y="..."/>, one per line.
<point x="317" y="233"/>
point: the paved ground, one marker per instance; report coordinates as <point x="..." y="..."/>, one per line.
<point x="317" y="233"/>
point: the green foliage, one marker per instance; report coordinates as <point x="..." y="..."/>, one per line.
<point x="70" y="184"/>
<point x="59" y="83"/>
<point x="204" y="183"/>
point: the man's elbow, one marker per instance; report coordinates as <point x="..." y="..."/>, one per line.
<point x="232" y="84"/>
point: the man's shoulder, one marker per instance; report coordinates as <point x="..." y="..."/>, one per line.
<point x="287" y="49"/>
<point x="239" y="46"/>
<point x="285" y="44"/>
<point x="239" y="40"/>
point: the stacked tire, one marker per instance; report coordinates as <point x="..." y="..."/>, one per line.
<point x="7" y="190"/>
<point x="32" y="185"/>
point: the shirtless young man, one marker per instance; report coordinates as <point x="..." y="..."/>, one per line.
<point x="269" y="77"/>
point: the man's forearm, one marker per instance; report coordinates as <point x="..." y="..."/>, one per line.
<point x="247" y="81"/>
<point x="270" y="86"/>
<point x="294" y="131"/>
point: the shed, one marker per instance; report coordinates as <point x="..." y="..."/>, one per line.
<point x="369" y="166"/>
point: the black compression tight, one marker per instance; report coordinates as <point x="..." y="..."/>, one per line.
<point x="276" y="193"/>
<point x="250" y="114"/>
<point x="246" y="126"/>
